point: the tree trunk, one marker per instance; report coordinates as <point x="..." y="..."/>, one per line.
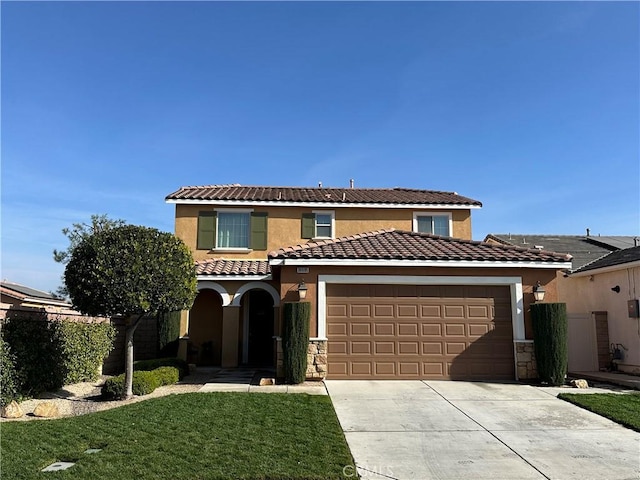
<point x="128" y="372"/>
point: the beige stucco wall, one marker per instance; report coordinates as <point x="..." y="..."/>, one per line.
<point x="284" y="225"/>
<point x="586" y="294"/>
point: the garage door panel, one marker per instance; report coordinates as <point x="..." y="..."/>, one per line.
<point x="454" y="311"/>
<point x="432" y="348"/>
<point x="407" y="329"/>
<point x="454" y="329"/>
<point x="360" y="348"/>
<point x="408" y="348"/>
<point x="361" y="368"/>
<point x="410" y="311"/>
<point x="431" y="332"/>
<point x="384" y="329"/>
<point x="360" y="329"/>
<point x="431" y="329"/>
<point x="383" y="311"/>
<point x="385" y="348"/>
<point x="431" y="311"/>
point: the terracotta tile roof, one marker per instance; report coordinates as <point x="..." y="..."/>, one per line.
<point x="394" y="196"/>
<point x="619" y="257"/>
<point x="401" y="245"/>
<point x="221" y="266"/>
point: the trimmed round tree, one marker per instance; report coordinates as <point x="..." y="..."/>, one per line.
<point x="550" y="341"/>
<point x="131" y="271"/>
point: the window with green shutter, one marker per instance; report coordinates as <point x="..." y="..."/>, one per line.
<point x="308" y="225"/>
<point x="206" y="230"/>
<point x="258" y="231"/>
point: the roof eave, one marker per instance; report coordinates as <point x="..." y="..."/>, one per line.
<point x="280" y="203"/>
<point x="609" y="268"/>
<point x="560" y="265"/>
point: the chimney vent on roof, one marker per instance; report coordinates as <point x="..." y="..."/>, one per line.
<point x="319" y="184"/>
<point x="524" y="241"/>
<point x="588" y="232"/>
<point x="636" y="242"/>
<point x="351" y="183"/>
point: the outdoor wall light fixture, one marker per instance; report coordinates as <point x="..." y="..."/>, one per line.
<point x="538" y="292"/>
<point x="302" y="290"/>
<point x="616" y="289"/>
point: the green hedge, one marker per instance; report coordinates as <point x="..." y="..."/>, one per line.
<point x="181" y="365"/>
<point x="9" y="380"/>
<point x="295" y="341"/>
<point x="550" y="341"/>
<point x="49" y="355"/>
<point x="144" y="382"/>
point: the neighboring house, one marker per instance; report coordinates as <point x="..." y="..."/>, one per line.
<point x="397" y="287"/>
<point x="19" y="295"/>
<point x="609" y="289"/>
<point x="594" y="322"/>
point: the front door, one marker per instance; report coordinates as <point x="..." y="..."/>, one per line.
<point x="260" y="331"/>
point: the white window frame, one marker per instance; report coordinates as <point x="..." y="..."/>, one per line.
<point x="433" y="214"/>
<point x="233" y="210"/>
<point x="332" y="213"/>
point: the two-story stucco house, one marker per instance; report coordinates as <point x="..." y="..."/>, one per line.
<point x="398" y="288"/>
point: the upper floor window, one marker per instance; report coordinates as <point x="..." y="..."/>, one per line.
<point x="239" y="230"/>
<point x="436" y="224"/>
<point x="318" y="224"/>
<point x="233" y="230"/>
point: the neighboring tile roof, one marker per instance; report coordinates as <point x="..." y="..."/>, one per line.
<point x="583" y="249"/>
<point x="398" y="196"/>
<point x="221" y="266"/>
<point x="402" y="245"/>
<point x="619" y="257"/>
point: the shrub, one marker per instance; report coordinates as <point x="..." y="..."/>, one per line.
<point x="37" y="359"/>
<point x="168" y="333"/>
<point x="550" y="341"/>
<point x="144" y="382"/>
<point x="9" y="380"/>
<point x="181" y="365"/>
<point x="49" y="354"/>
<point x="295" y="342"/>
<point x="83" y="347"/>
<point x="167" y="375"/>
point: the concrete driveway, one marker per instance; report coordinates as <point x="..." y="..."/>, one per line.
<point x="424" y="430"/>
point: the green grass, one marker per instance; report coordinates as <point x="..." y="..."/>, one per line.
<point x="190" y="436"/>
<point x="621" y="408"/>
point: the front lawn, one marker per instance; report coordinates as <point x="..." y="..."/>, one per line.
<point x="621" y="408"/>
<point x="190" y="436"/>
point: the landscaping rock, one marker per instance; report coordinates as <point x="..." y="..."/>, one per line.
<point x="46" y="410"/>
<point x="12" y="410"/>
<point x="267" y="381"/>
<point x="580" y="383"/>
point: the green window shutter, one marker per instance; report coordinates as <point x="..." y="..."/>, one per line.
<point x="308" y="225"/>
<point x="258" y="240"/>
<point x="206" y="230"/>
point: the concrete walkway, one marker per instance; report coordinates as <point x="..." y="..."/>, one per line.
<point x="617" y="378"/>
<point x="248" y="380"/>
<point x="426" y="430"/>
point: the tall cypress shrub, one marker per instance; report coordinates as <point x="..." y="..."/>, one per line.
<point x="168" y="333"/>
<point x="550" y="341"/>
<point x="295" y="341"/>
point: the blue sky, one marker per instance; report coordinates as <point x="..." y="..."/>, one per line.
<point x="531" y="108"/>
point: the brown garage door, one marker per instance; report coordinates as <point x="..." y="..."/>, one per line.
<point x="415" y="331"/>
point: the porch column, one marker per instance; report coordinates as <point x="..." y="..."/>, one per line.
<point x="230" y="332"/>
<point x="184" y="335"/>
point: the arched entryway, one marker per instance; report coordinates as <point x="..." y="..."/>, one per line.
<point x="205" y="329"/>
<point x="257" y="329"/>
